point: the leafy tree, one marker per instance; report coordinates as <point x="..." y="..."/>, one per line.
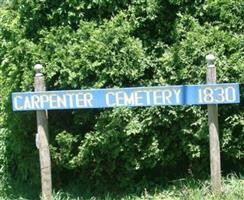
<point x="100" y="44"/>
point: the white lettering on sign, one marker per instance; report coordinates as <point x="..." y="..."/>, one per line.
<point x="142" y="97"/>
<point x="120" y="98"/>
<point x="70" y="100"/>
<point x="148" y="99"/>
<point x="27" y="104"/>
<point x="157" y="97"/>
<point x="61" y="101"/>
<point x="83" y="100"/>
<point x="168" y="95"/>
<point x="162" y="97"/>
<point x="44" y="100"/>
<point x="123" y="97"/>
<point x="220" y="94"/>
<point x="17" y="106"/>
<point x="53" y="101"/>
<point x="217" y="94"/>
<point x="138" y="98"/>
<point x="177" y="95"/>
<point x="230" y="94"/>
<point x="129" y="99"/>
<point x="108" y="99"/>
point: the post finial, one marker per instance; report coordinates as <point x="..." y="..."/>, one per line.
<point x="38" y="68"/>
<point x="210" y="60"/>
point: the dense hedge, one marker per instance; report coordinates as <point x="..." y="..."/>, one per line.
<point x="105" y="43"/>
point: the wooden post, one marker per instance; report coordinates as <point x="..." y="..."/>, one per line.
<point x="42" y="128"/>
<point x="215" y="166"/>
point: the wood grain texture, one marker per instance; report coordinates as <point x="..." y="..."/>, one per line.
<point x="215" y="163"/>
<point x="44" y="152"/>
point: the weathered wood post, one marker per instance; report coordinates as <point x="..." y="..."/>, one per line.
<point x="42" y="128"/>
<point x="215" y="165"/>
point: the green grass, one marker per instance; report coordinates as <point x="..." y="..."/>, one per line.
<point x="184" y="189"/>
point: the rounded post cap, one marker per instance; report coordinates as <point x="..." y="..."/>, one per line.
<point x="38" y="68"/>
<point x="210" y="58"/>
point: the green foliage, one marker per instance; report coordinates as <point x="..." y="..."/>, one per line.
<point x="98" y="56"/>
<point x="48" y="13"/>
<point x="181" y="189"/>
<point x="226" y="14"/>
<point x="63" y="152"/>
<point x="100" y="44"/>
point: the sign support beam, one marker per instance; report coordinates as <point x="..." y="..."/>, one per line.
<point x="211" y="94"/>
<point x="225" y="93"/>
<point x="215" y="165"/>
<point x="42" y="128"/>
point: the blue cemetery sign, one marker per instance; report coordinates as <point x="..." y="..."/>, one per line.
<point x="127" y="97"/>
